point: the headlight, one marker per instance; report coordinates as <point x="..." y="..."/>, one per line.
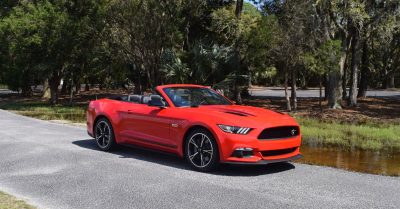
<point x="235" y="129"/>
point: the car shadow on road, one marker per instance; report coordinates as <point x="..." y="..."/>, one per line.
<point x="174" y="161"/>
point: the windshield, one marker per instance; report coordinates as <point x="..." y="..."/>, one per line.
<point x="192" y="96"/>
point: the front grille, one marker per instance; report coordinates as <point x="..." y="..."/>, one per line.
<point x="280" y="132"/>
<point x="270" y="153"/>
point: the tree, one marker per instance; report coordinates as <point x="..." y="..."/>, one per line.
<point x="49" y="40"/>
<point x="23" y="44"/>
<point x="143" y="30"/>
<point x="207" y="63"/>
<point x="294" y="23"/>
<point x="322" y="61"/>
<point x="174" y="69"/>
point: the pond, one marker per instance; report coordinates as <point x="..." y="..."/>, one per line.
<point x="378" y="162"/>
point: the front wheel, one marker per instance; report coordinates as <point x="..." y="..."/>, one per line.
<point x="104" y="135"/>
<point x="201" y="150"/>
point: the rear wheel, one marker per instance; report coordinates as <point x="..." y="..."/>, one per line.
<point x="104" y="135"/>
<point x="201" y="150"/>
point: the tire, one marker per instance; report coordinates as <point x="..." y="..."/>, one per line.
<point x="201" y="150"/>
<point x="104" y="135"/>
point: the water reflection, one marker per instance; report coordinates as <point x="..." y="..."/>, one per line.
<point x="381" y="162"/>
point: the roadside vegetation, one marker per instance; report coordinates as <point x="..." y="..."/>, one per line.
<point x="44" y="111"/>
<point x="10" y="202"/>
<point x="371" y="136"/>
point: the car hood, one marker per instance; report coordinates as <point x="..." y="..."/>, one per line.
<point x="239" y="115"/>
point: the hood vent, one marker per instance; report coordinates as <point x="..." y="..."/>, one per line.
<point x="238" y="113"/>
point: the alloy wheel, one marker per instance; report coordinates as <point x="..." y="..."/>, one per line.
<point x="200" y="150"/>
<point x="103" y="134"/>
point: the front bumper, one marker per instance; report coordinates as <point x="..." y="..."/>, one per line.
<point x="263" y="151"/>
<point x="265" y="162"/>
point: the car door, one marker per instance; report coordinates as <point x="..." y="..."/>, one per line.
<point x="147" y="124"/>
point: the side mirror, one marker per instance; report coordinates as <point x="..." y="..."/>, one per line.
<point x="156" y="101"/>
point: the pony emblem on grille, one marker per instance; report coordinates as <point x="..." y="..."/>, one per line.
<point x="293" y="132"/>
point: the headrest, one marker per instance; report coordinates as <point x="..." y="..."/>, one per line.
<point x="134" y="98"/>
<point x="145" y="99"/>
<point x="177" y="100"/>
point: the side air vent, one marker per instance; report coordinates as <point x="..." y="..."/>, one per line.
<point x="280" y="132"/>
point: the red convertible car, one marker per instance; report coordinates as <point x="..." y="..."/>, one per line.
<point x="197" y="123"/>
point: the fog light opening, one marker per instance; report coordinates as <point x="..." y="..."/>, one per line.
<point x="243" y="152"/>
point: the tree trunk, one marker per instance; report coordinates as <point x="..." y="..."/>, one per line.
<point x="352" y="101"/>
<point x="238" y="13"/>
<point x="64" y="87"/>
<point x="186" y="44"/>
<point x="326" y="85"/>
<point x="385" y="82"/>
<point x="46" y="89"/>
<point x="149" y="79"/>
<point x="344" y="79"/>
<point x="54" y="84"/>
<point x="71" y="96"/>
<point x="250" y="84"/>
<point x="293" y="88"/>
<point x="87" y="87"/>
<point x="335" y="90"/>
<point x="391" y="79"/>
<point x="138" y="87"/>
<point x="26" y="90"/>
<point x="288" y="106"/>
<point x="239" y="8"/>
<point x="77" y="86"/>
<point x="303" y="83"/>
<point x="362" y="92"/>
<point x="238" y="97"/>
<point x="320" y="94"/>
<point x="344" y="66"/>
<point x="237" y="91"/>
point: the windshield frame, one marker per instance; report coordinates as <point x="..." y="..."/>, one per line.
<point x="165" y="92"/>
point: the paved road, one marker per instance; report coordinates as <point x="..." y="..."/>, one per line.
<point x="57" y="166"/>
<point x="279" y="92"/>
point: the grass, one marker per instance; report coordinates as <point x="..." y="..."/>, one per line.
<point x="44" y="111"/>
<point x="369" y="136"/>
<point x="10" y="202"/>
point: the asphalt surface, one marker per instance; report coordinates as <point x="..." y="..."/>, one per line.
<point x="309" y="93"/>
<point x="58" y="166"/>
